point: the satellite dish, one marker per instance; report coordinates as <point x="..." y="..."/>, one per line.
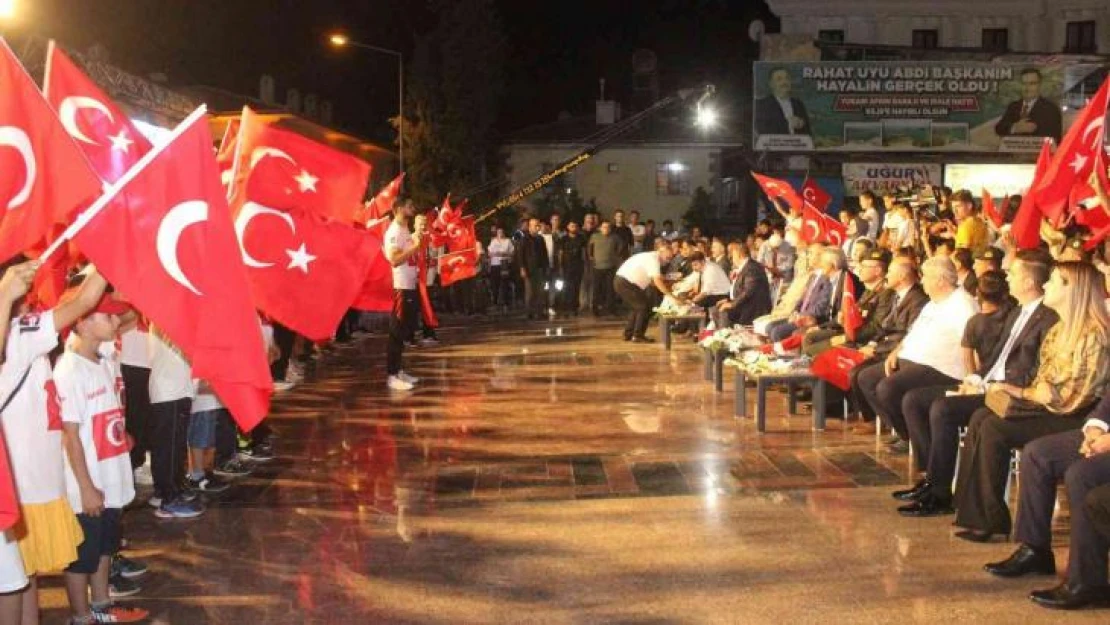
<point x="756" y="30"/>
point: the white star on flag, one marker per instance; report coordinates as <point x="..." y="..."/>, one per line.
<point x="1078" y="162"/>
<point x="299" y="258"/>
<point x="121" y="141"/>
<point x="306" y="181"/>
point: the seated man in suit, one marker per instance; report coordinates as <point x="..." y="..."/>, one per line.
<point x="822" y="298"/>
<point x="790" y="295"/>
<point x="929" y="355"/>
<point x="1081" y="459"/>
<point x="909" y="299"/>
<point x="875" y="306"/>
<point x="749" y="295"/>
<point x="934" y="419"/>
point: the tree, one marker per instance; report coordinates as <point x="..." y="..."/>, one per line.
<point x="701" y="212"/>
<point x="454" y="87"/>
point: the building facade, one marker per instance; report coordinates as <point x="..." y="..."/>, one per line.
<point x="1028" y="26"/>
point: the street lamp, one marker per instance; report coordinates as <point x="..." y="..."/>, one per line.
<point x="339" y="40"/>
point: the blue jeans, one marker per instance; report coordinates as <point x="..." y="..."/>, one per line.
<point x="202" y="428"/>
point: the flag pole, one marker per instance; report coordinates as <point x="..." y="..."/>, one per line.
<point x="112" y="190"/>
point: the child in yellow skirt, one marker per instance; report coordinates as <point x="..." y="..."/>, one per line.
<point x="48" y="533"/>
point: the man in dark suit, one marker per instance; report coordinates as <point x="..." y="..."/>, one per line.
<point x="822" y="296"/>
<point x="748" y="298"/>
<point x="534" y="266"/>
<point x="875" y="305"/>
<point x="910" y="299"/>
<point x="934" y="419"/>
<point x="778" y="113"/>
<point x="1081" y="459"/>
<point x="1032" y="115"/>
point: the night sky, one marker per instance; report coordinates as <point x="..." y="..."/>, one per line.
<point x="557" y="50"/>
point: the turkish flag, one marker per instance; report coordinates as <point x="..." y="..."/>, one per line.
<point x="1026" y="228"/>
<point x="990" y="210"/>
<point x="303" y="271"/>
<point x="1096" y="215"/>
<point x="44" y="177"/>
<point x="444" y="222"/>
<point x="815" y="196"/>
<point x="375" y="214"/>
<point x="164" y="238"/>
<point x="9" y="501"/>
<point x="818" y="227"/>
<point x="835" y="366"/>
<point x="286" y="169"/>
<point x="109" y="435"/>
<point x="1075" y="157"/>
<point x="775" y="188"/>
<point x="102" y="130"/>
<point x="853" y="317"/>
<point x="458" y="266"/>
<point x="376" y="292"/>
<point x="461" y="235"/>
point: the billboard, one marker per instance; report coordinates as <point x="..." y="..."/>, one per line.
<point x="909" y="106"/>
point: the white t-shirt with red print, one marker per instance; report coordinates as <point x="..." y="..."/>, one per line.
<point x="33" y="420"/>
<point x="399" y="239"/>
<point x="89" y="395"/>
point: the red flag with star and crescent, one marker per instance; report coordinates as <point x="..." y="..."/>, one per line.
<point x="44" y="177"/>
<point x="289" y="169"/>
<point x="99" y="126"/>
<point x="1026" y="227"/>
<point x="1074" y="159"/>
<point x="375" y="214"/>
<point x="775" y="188"/>
<point x="164" y="238"/>
<point x="818" y="227"/>
<point x="815" y="196"/>
<point x="458" y="266"/>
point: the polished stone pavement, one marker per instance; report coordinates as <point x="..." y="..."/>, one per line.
<point x="550" y="473"/>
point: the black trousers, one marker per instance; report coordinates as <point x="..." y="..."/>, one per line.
<point x="572" y="282"/>
<point x="168" y="432"/>
<point x="402" y="326"/>
<point x="938" y="432"/>
<point x="226" y="437"/>
<point x="1097" y="509"/>
<point x="500" y="283"/>
<point x="886" y="392"/>
<point x="639" y="302"/>
<point x="855" y="392"/>
<point x="284" y="339"/>
<point x="981" y="487"/>
<point x="1044" y="463"/>
<point x="136" y="396"/>
<point x="604" y="300"/>
<point x="535" y="297"/>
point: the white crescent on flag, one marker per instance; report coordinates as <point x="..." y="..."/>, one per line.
<point x="816" y="228"/>
<point x="15" y="138"/>
<point x="260" y="153"/>
<point x="249" y="211"/>
<point x="67" y="113"/>
<point x="173" y="224"/>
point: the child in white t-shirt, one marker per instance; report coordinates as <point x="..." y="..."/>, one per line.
<point x="99" y="480"/>
<point x="47" y="533"/>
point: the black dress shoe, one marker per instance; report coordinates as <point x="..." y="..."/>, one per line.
<point x="913" y="494"/>
<point x="1025" y="561"/>
<point x="928" y="505"/>
<point x="642" y="339"/>
<point x="974" y="536"/>
<point x="1071" y="596"/>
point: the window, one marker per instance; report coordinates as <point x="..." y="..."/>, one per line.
<point x="1081" y="38"/>
<point x="831" y="36"/>
<point x="996" y="39"/>
<point x="926" y="39"/>
<point x="672" y="179"/>
<point x="613" y="168"/>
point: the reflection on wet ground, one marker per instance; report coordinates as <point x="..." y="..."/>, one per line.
<point x="551" y="473"/>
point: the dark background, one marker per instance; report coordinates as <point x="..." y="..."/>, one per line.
<point x="556" y="51"/>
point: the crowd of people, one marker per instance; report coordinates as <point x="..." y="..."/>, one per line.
<point x="974" y="352"/>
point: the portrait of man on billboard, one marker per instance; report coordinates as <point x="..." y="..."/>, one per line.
<point x="1033" y="115"/>
<point x="778" y="113"/>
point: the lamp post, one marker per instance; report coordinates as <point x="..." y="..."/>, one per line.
<point x="341" y="41"/>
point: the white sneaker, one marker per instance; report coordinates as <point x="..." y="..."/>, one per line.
<point x="408" y="378"/>
<point x="143" y="476"/>
<point x="281" y="387"/>
<point x="395" y="383"/>
<point x="429" y="340"/>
